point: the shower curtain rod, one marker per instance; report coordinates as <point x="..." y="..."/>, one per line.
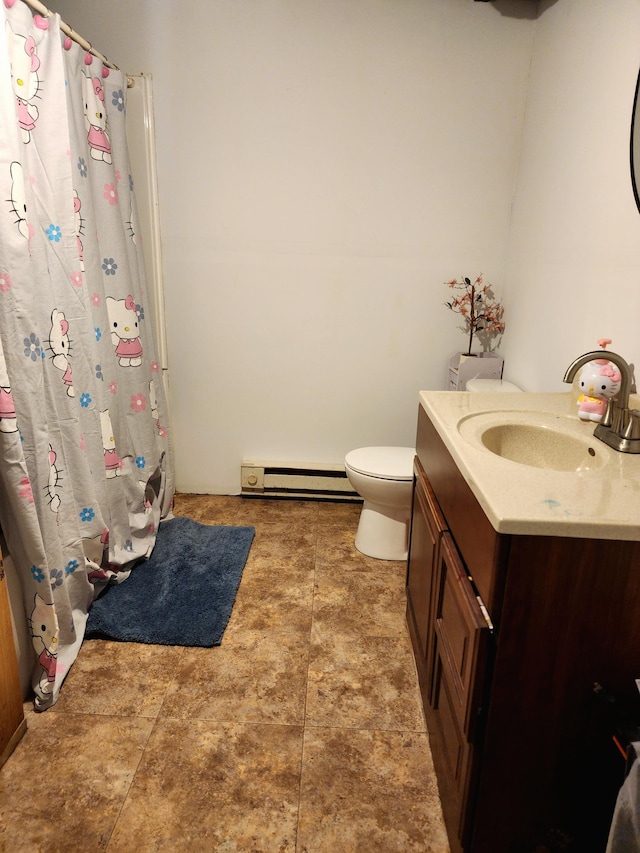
<point x="41" y="9"/>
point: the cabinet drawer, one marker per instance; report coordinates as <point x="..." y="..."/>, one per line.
<point x="462" y="636"/>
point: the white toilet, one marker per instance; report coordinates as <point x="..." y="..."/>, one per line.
<point x="383" y="476"/>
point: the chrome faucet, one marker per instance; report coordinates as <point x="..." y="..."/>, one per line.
<point x="620" y="425"/>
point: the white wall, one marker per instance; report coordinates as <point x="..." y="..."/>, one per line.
<point x="573" y="267"/>
<point x="325" y="165"/>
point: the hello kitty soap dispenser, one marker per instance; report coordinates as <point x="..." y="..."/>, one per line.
<point x="598" y="382"/>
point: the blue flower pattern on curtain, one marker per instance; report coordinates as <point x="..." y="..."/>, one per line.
<point x="85" y="467"/>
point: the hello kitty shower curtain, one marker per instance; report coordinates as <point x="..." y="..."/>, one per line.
<point x="85" y="473"/>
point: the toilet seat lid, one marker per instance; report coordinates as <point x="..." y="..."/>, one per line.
<point x="386" y="463"/>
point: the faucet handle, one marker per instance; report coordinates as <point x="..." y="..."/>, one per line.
<point x="632" y="430"/>
<point x="607" y="418"/>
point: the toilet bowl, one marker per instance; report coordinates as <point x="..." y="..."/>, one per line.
<point x="383" y="477"/>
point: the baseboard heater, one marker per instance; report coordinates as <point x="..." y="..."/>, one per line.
<point x="310" y="481"/>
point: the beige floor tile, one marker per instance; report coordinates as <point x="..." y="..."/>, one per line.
<point x="255" y="677"/>
<point x="235" y="510"/>
<point x="110" y="678"/>
<point x="228" y="787"/>
<point x="64" y="786"/>
<point x="283" y="543"/>
<point x="336" y="547"/>
<point x="339" y="514"/>
<point x="294" y="512"/>
<point x="361" y="603"/>
<point x="208" y="509"/>
<point x="272" y="596"/>
<point x="363" y="683"/>
<point x="370" y="792"/>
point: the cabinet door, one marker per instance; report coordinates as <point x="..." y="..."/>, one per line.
<point x="12" y="722"/>
<point x="424" y="553"/>
<point x="462" y="635"/>
<point x="454" y="757"/>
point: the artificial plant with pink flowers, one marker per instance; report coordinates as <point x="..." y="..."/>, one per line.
<point x="480" y="309"/>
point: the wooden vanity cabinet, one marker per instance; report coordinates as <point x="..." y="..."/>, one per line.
<point x="12" y="722"/>
<point x="510" y="634"/>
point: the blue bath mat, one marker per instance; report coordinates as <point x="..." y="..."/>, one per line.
<point x="183" y="594"/>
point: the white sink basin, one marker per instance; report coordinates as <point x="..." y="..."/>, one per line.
<point x="537" y="439"/>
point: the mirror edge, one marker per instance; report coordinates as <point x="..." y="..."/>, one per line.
<point x="634" y="144"/>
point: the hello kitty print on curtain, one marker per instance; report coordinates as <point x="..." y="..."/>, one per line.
<point x="85" y="469"/>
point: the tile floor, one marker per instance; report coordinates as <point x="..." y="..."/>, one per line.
<point x="302" y="733"/>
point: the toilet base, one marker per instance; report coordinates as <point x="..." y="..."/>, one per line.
<point x="383" y="531"/>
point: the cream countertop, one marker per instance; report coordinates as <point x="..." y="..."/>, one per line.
<point x="602" y="502"/>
